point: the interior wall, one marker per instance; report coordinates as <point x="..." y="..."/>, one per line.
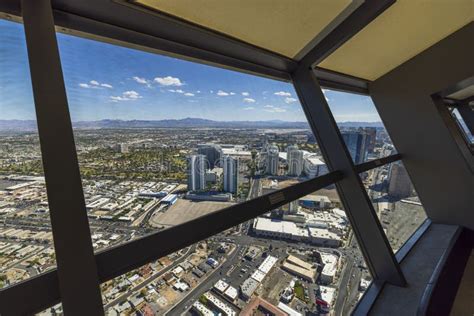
<point x="439" y="171"/>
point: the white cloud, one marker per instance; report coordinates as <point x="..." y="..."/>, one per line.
<point x="211" y="91"/>
<point x="176" y="91"/>
<point x="273" y="109"/>
<point x="222" y="93"/>
<point x="199" y="91"/>
<point x="283" y="94"/>
<point x="132" y="94"/>
<point x="245" y="94"/>
<point x="188" y="94"/>
<point x="249" y="108"/>
<point x="232" y="93"/>
<point x="289" y="100"/>
<point x="94" y="84"/>
<point x="249" y="100"/>
<point x="169" y="81"/>
<point x="118" y="98"/>
<point x="140" y="80"/>
<point x="126" y="96"/>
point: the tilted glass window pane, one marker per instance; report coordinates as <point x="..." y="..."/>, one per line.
<point x="161" y="141"/>
<point x="360" y="125"/>
<point x="26" y="246"/>
<point x="303" y="258"/>
<point x="395" y="201"/>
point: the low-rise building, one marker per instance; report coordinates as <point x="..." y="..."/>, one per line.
<point x="221" y="286"/>
<point x="288" y="310"/>
<point x="248" y="288"/>
<point x="300" y="268"/>
<point x="220" y="305"/>
<point x="330" y="265"/>
<point x="231" y="293"/>
<point x="170" y="199"/>
<point x="201" y="309"/>
<point x="324" y="237"/>
<point x="327" y="294"/>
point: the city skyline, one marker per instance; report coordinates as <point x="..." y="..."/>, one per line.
<point x="105" y="81"/>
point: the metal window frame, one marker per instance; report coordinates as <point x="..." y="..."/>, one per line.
<point x="365" y="223"/>
<point x="366" y="166"/>
<point x="69" y="222"/>
<point x="232" y="54"/>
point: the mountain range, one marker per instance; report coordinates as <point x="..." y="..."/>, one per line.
<point x="30" y="125"/>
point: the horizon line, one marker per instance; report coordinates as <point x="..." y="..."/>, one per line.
<point x="194" y="118"/>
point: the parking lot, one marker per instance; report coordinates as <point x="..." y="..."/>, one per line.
<point x="185" y="210"/>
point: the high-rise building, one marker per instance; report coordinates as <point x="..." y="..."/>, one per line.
<point x="357" y="144"/>
<point x="272" y="160"/>
<point x="293" y="207"/>
<point x="196" y="172"/>
<point x="294" y="158"/>
<point x="371" y="138"/>
<point x="212" y="152"/>
<point x="399" y="182"/>
<point x="231" y="174"/>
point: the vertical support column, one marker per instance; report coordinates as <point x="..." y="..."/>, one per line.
<point x="365" y="224"/>
<point x="77" y="271"/>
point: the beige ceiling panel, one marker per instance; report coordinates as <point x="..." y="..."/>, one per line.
<point x="401" y="32"/>
<point x="282" y="26"/>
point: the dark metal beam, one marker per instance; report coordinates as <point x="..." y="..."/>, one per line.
<point x="118" y="260"/>
<point x="377" y="163"/>
<point x="360" y="18"/>
<point x="77" y="273"/>
<point x="365" y="224"/>
<point x="109" y="18"/>
<point x="76" y="25"/>
<point x="337" y="81"/>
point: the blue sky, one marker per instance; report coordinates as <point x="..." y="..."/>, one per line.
<point x="104" y="81"/>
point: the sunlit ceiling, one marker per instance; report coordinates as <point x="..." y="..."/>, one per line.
<point x="281" y="26"/>
<point x="401" y="32"/>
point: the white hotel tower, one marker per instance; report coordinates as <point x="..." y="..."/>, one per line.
<point x="196" y="172"/>
<point x="231" y="174"/>
<point x="295" y="160"/>
<point x="272" y="160"/>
